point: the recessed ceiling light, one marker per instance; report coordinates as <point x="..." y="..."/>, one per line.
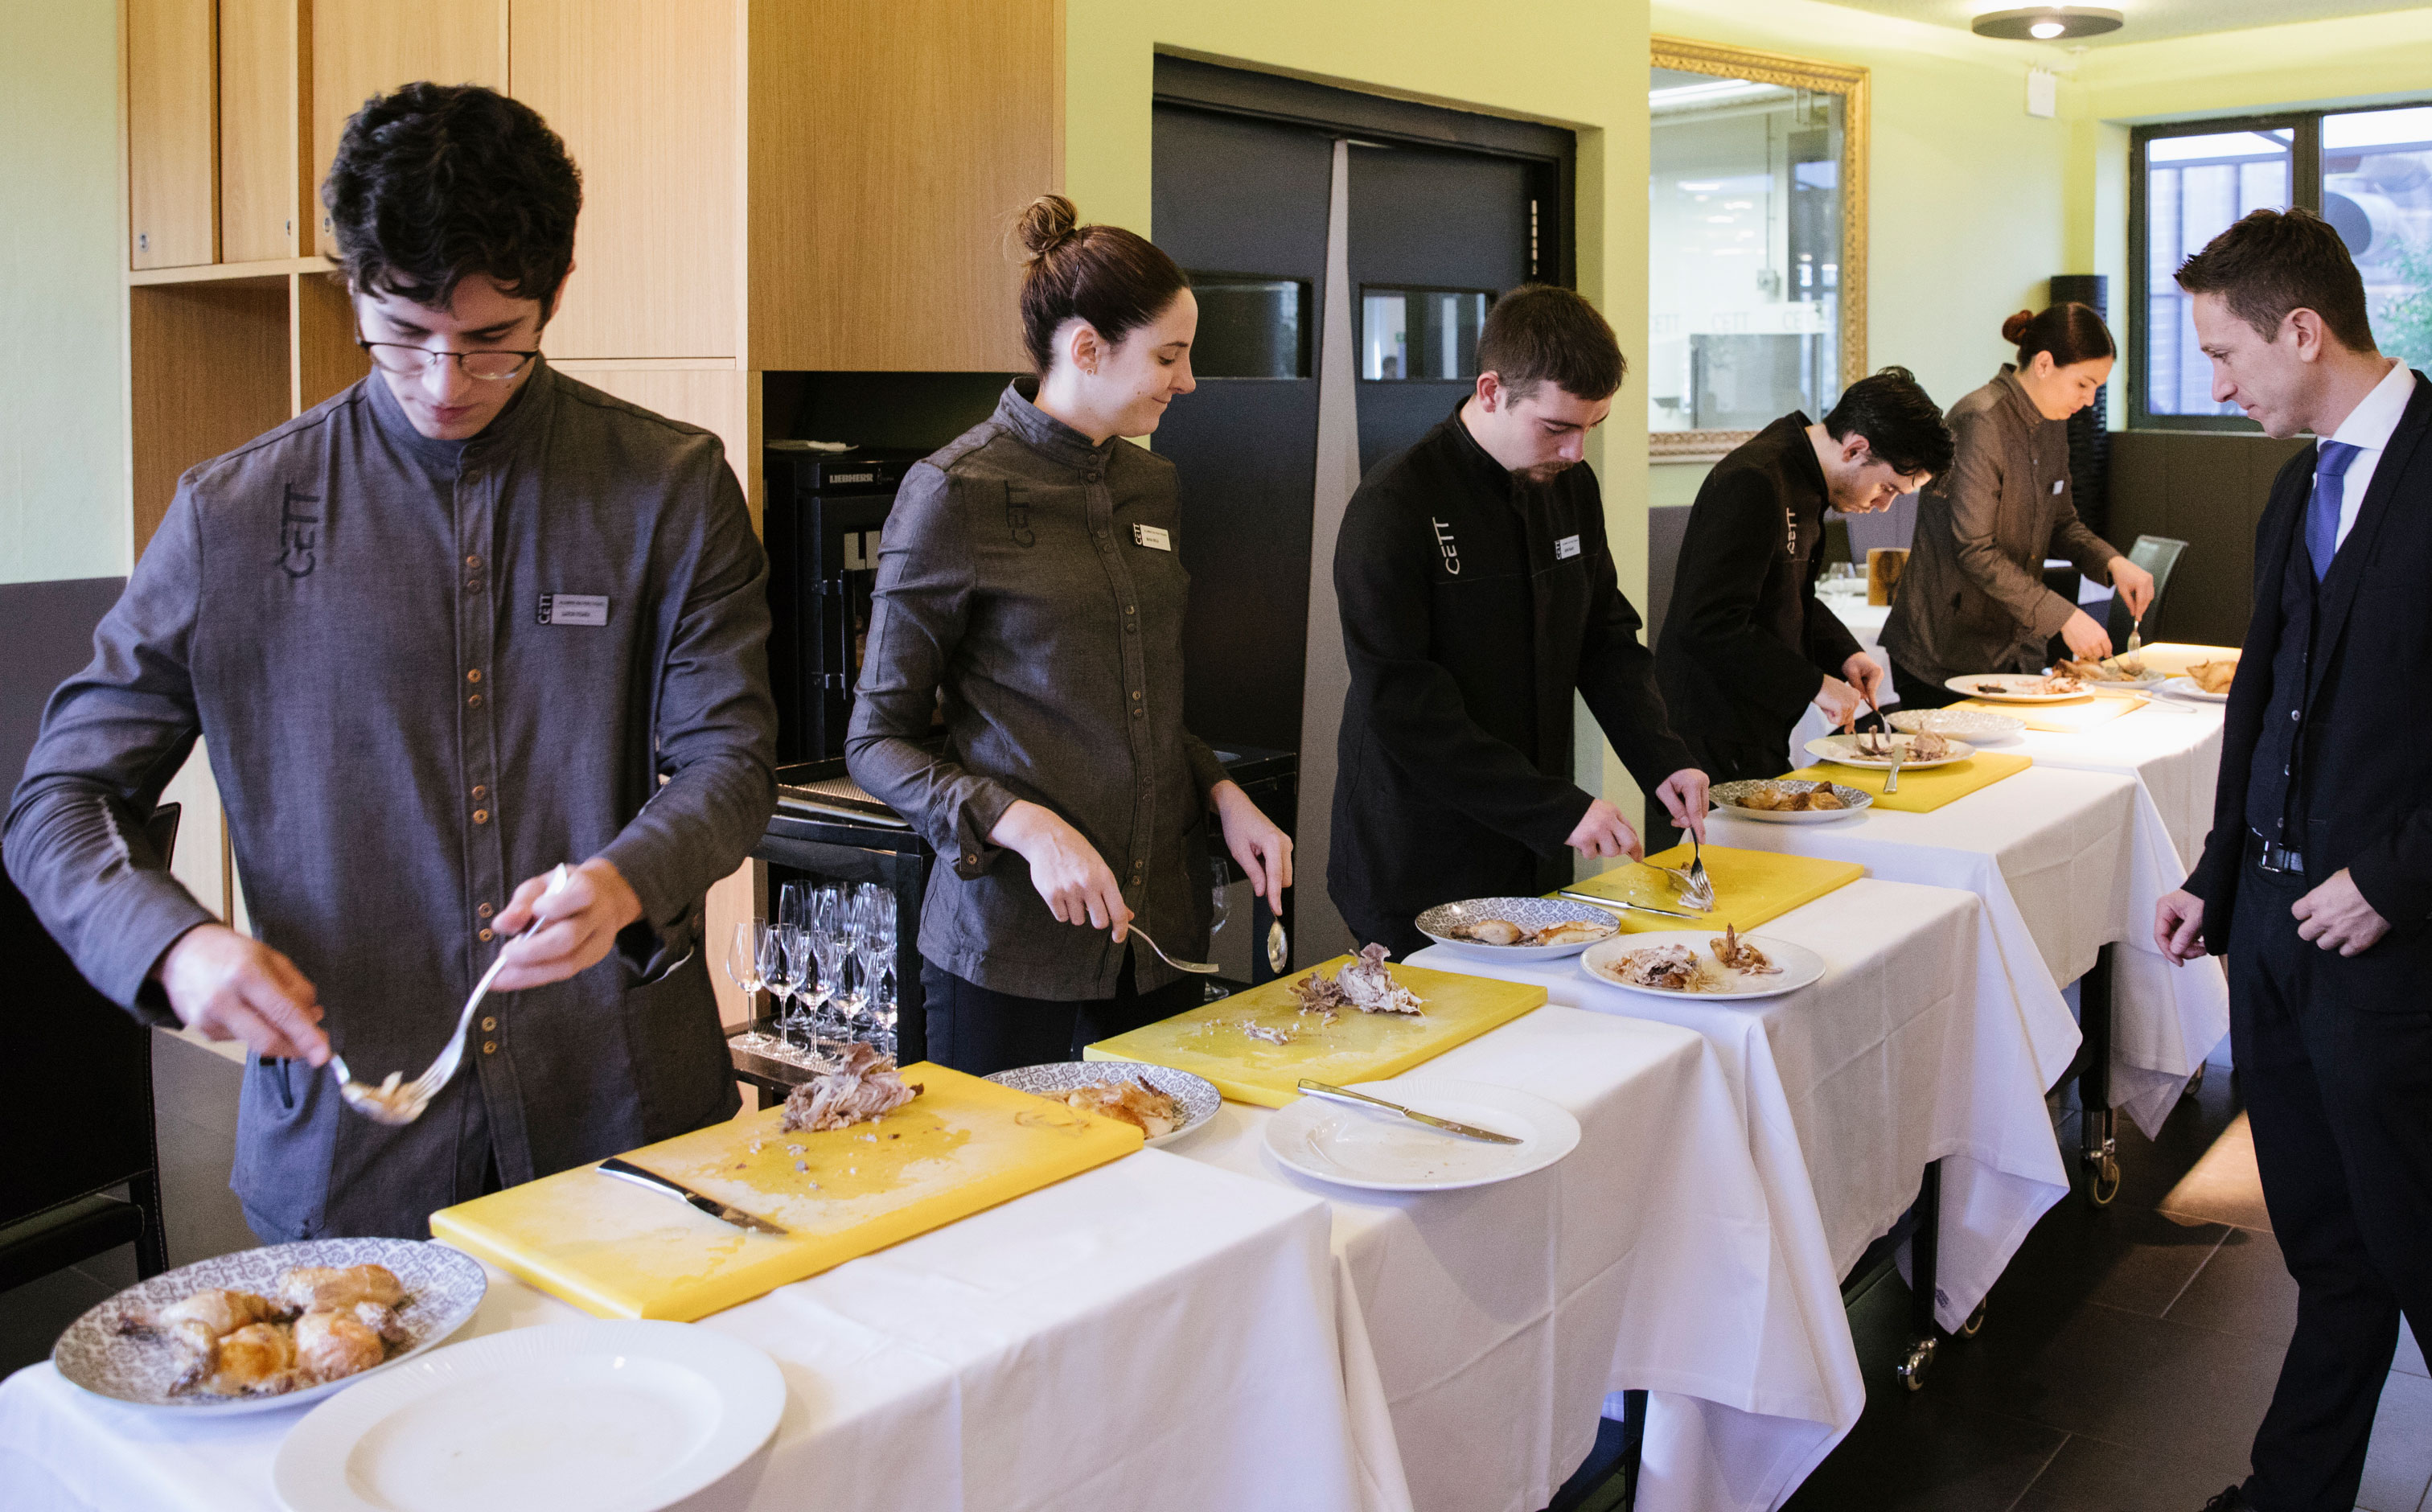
<point x="2047" y="22"/>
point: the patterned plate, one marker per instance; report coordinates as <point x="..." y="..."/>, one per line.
<point x="1728" y="795"/>
<point x="1981" y="725"/>
<point x="442" y="1286"/>
<point x="1198" y="1095"/>
<point x="1438" y="923"/>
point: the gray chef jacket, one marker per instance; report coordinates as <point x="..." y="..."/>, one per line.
<point x="1032" y="584"/>
<point x="429" y="670"/>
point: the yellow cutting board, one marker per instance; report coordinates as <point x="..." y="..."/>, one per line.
<point x="1751" y="886"/>
<point x="1927" y="789"/>
<point x="615" y="1249"/>
<point x="1209" y="1042"/>
<point x="2061" y="719"/>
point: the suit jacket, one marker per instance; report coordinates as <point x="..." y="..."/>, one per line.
<point x="1745" y="642"/>
<point x="2365" y="766"/>
<point x="1972" y="597"/>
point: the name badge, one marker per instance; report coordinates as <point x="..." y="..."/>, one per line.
<point x="1567" y="546"/>
<point x="1152" y="537"/>
<point x="574" y="608"/>
<point x="2058" y="484"/>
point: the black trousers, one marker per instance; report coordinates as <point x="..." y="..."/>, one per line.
<point x="1917" y="693"/>
<point x="978" y="1031"/>
<point x="2335" y="1058"/>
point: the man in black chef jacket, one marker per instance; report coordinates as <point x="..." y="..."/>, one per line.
<point x="2316" y="880"/>
<point x="1477" y="594"/>
<point x="1747" y="645"/>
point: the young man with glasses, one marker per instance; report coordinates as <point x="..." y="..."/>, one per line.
<point x="462" y="622"/>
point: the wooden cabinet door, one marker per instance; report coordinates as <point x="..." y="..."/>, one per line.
<point x="264" y="179"/>
<point x="172" y="147"/>
<point x="366" y="47"/>
<point x="647" y="107"/>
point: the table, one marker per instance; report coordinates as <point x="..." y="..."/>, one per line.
<point x="2045" y="850"/>
<point x="1915" y="1047"/>
<point x="2172" y="746"/>
<point x="1677" y="1250"/>
<point x="1153" y="1333"/>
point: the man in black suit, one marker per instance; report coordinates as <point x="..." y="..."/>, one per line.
<point x="2316" y="878"/>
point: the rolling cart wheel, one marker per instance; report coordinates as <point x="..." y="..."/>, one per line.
<point x="2195" y="1083"/>
<point x="1975" y="1323"/>
<point x="1920" y="1359"/>
<point x="2105" y="1186"/>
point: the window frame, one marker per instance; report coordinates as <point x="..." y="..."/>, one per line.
<point x="2304" y="188"/>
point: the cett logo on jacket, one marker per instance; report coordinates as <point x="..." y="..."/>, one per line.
<point x="1444" y="544"/>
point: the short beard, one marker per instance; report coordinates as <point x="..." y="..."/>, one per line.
<point x="1543" y="473"/>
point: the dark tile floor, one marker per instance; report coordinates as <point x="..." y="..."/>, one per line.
<point x="2127" y="1355"/>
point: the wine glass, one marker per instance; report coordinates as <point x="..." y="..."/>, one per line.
<point x="1220" y="894"/>
<point x="793" y="900"/>
<point x="743" y="958"/>
<point x="821" y="927"/>
<point x="844" y="935"/>
<point x="875" y="949"/>
<point x="788" y="979"/>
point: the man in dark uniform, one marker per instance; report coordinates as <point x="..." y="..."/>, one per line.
<point x="1477" y="594"/>
<point x="2316" y="880"/>
<point x="1747" y="645"/>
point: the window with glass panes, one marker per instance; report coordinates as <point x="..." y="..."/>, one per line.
<point x="2369" y="173"/>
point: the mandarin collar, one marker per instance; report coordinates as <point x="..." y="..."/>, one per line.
<point x="1803" y="450"/>
<point x="2019" y="399"/>
<point x="517" y="420"/>
<point x="1480" y="460"/>
<point x="1049" y="436"/>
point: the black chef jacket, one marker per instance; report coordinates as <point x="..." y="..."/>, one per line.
<point x="1746" y="643"/>
<point x="1471" y="611"/>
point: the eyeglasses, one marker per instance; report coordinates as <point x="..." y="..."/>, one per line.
<point x="489" y="366"/>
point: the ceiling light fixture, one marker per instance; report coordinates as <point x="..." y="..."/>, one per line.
<point x="2047" y="22"/>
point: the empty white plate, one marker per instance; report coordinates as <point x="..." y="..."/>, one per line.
<point x="608" y="1415"/>
<point x="1383" y="1151"/>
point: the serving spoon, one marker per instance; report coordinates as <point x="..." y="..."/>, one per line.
<point x="396" y="1104"/>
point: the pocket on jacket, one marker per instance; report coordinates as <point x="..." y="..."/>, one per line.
<point x="681" y="1067"/>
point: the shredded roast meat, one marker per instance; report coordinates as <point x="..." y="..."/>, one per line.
<point x="1371" y="989"/>
<point x="855" y="1084"/>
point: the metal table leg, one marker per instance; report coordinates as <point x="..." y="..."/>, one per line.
<point x="2098" y="1124"/>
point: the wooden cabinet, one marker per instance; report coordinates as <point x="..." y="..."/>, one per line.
<point x="366" y="47"/>
<point x="265" y="182"/>
<point x="647" y="109"/>
<point x="172" y="157"/>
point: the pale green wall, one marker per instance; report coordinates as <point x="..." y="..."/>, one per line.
<point x="64" y="485"/>
<point x="1576" y="63"/>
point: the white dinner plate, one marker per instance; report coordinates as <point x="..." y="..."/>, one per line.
<point x="1197" y="1095"/>
<point x="1799" y="966"/>
<point x="442" y="1286"/>
<point x="2010" y="687"/>
<point x="1530" y="913"/>
<point x="605" y="1415"/>
<point x="1381" y="1151"/>
<point x="1978" y="726"/>
<point x="1727" y="796"/>
<point x="1844" y="749"/>
<point x="2185" y="688"/>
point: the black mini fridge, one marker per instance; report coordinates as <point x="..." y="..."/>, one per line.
<point x="821" y="522"/>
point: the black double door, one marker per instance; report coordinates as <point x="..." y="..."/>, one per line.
<point x="1242" y="203"/>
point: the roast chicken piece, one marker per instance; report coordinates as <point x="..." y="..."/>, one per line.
<point x="331" y="1344"/>
<point x="336" y="1288"/>
<point x="258" y="1360"/>
<point x="856" y="1084"/>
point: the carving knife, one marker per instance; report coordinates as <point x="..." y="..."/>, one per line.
<point x="618" y="1167"/>
<point x="1643" y="907"/>
<point x="1319" y="1089"/>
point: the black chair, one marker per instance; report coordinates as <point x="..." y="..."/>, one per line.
<point x="76" y="1107"/>
<point x="2159" y="556"/>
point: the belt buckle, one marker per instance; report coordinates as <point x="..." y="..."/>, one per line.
<point x="2279" y="858"/>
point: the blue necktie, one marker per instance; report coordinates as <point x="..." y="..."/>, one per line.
<point x="2323" y="510"/>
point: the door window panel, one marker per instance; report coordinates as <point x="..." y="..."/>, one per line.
<point x="1250" y="327"/>
<point x="1420" y="334"/>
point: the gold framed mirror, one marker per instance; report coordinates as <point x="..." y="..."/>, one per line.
<point x="1756" y="242"/>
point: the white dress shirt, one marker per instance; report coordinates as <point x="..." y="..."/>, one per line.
<point x="2366" y="429"/>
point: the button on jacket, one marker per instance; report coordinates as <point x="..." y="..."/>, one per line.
<point x="1029" y="584"/>
<point x="1472" y="610"/>
<point x="427" y="670"/>
<point x="1972" y="597"/>
<point x="1745" y="642"/>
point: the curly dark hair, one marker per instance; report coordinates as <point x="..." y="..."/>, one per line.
<point x="1901" y="423"/>
<point x="434" y="182"/>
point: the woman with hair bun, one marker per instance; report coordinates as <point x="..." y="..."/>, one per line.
<point x="1972" y="597"/>
<point x="1029" y="587"/>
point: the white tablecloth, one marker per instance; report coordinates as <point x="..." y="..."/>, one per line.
<point x="1151" y="1334"/>
<point x="2065" y="861"/>
<point x="1677" y="1250"/>
<point x="2172" y="746"/>
<point x="1914" y="1047"/>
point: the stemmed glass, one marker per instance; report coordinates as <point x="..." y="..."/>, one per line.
<point x="1221" y="894"/>
<point x="743" y="958"/>
<point x="844" y="937"/>
<point x="791" y="958"/>
<point x="821" y="927"/>
<point x="882" y="933"/>
<point x="875" y="949"/>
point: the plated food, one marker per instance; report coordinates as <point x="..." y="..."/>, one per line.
<point x="2214" y="676"/>
<point x="2020" y="687"/>
<point x="2129" y="671"/>
<point x="1696" y="963"/>
<point x="1790" y="800"/>
<point x="1163" y="1103"/>
<point x="270" y="1327"/>
<point x="1923" y="748"/>
<point x="1517" y="928"/>
<point x="855" y="1084"/>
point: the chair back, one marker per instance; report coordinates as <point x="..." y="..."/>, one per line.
<point x="2157" y="554"/>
